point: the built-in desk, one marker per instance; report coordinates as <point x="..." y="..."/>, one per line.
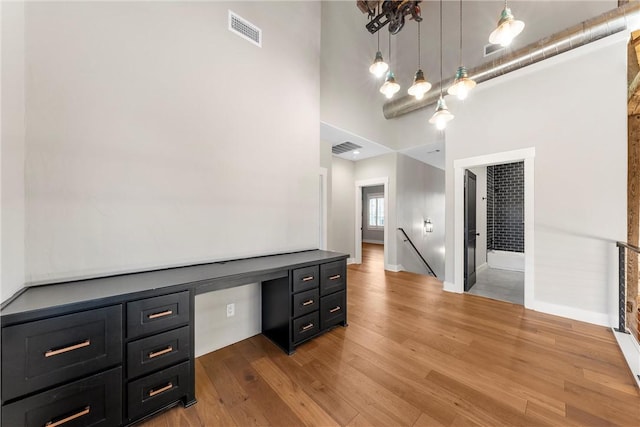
<point x="115" y="350"/>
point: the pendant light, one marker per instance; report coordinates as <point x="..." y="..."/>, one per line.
<point x="462" y="83"/>
<point x="420" y="84"/>
<point x="379" y="67"/>
<point x="390" y="87"/>
<point x="508" y="28"/>
<point x="442" y="115"/>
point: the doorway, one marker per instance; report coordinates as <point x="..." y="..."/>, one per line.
<point x="361" y="222"/>
<point x="527" y="157"/>
<point x="496" y="197"/>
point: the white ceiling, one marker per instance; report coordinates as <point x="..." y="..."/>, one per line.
<point x="542" y="18"/>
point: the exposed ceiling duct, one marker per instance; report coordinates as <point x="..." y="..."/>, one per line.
<point x="584" y="33"/>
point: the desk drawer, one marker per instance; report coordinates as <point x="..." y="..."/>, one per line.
<point x="306" y="326"/>
<point x="333" y="277"/>
<point x="305" y="278"/>
<point x="157" y="351"/>
<point x="43" y="353"/>
<point x="93" y="401"/>
<point x="158" y="390"/>
<point x="305" y="302"/>
<point x="156" y="314"/>
<point x="332" y="309"/>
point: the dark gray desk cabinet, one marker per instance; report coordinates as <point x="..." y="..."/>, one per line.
<point x="114" y="350"/>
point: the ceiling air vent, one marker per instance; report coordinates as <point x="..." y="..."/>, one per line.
<point x="490" y="49"/>
<point x="344" y="147"/>
<point x="245" y="29"/>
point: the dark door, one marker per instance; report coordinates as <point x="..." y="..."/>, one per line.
<point x="469" y="230"/>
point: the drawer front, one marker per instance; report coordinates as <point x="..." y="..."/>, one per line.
<point x="333" y="277"/>
<point x="333" y="309"/>
<point x="305" y="302"/>
<point x="158" y="390"/>
<point x="306" y="326"/>
<point x="93" y="401"/>
<point x="46" y="352"/>
<point x="157" y="351"/>
<point x="155" y="314"/>
<point x="305" y="278"/>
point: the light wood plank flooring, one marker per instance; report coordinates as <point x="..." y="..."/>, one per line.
<point x="414" y="355"/>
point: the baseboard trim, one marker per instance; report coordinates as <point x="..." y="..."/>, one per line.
<point x="596" y="318"/>
<point x="631" y="350"/>
<point x="450" y="287"/>
<point x="351" y="261"/>
<point x="374" y="242"/>
<point x="394" y="267"/>
<point x="482" y="267"/>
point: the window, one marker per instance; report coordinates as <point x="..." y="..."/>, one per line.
<point x="376" y="212"/>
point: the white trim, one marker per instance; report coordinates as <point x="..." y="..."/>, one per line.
<point x="596" y="318"/>
<point x="631" y="351"/>
<point x="527" y="155"/>
<point x="367" y="216"/>
<point x="450" y="287"/>
<point x="358" y="217"/>
<point x="351" y="261"/>
<point x="375" y="242"/>
<point x="394" y="268"/>
<point x="322" y="244"/>
<point x="482" y="267"/>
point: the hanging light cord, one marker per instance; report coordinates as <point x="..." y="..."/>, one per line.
<point x="377" y="13"/>
<point x="419" y="50"/>
<point x="460" y="33"/>
<point x="389" y="50"/>
<point x="441" y="49"/>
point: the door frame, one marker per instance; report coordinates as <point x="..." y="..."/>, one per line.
<point x="527" y="155"/>
<point x="358" y="217"/>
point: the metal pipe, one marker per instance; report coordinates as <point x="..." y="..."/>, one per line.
<point x="593" y="29"/>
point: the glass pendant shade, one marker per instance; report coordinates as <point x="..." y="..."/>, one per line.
<point x="442" y="116"/>
<point x="379" y="67"/>
<point x="390" y="87"/>
<point x="462" y="85"/>
<point x="508" y="28"/>
<point x="420" y="86"/>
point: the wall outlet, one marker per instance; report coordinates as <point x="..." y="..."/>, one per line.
<point x="231" y="310"/>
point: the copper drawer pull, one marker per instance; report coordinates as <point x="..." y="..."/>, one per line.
<point x="50" y="353"/>
<point x="333" y="310"/>
<point x="306" y="279"/>
<point x="337" y="276"/>
<point x="307" y="327"/>
<point x="306" y="303"/>
<point x="160" y="390"/>
<point x="161" y="314"/>
<point x="85" y="411"/>
<point x="153" y="354"/>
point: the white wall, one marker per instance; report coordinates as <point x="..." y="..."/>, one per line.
<point x="12" y="211"/>
<point x="153" y="139"/>
<point x="342" y="226"/>
<point x="580" y="144"/>
<point x="350" y="97"/>
<point x="420" y="197"/>
<point x="481" y="215"/>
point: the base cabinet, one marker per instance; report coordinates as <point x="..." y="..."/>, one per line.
<point x="93" y="401"/>
<point x="122" y="357"/>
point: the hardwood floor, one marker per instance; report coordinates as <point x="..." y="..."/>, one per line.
<point x="414" y="355"/>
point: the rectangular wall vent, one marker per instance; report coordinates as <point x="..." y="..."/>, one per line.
<point x="344" y="147"/>
<point x="245" y="29"/>
<point x="490" y="49"/>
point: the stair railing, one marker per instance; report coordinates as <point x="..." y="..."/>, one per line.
<point x="622" y="283"/>
<point x="407" y="239"/>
